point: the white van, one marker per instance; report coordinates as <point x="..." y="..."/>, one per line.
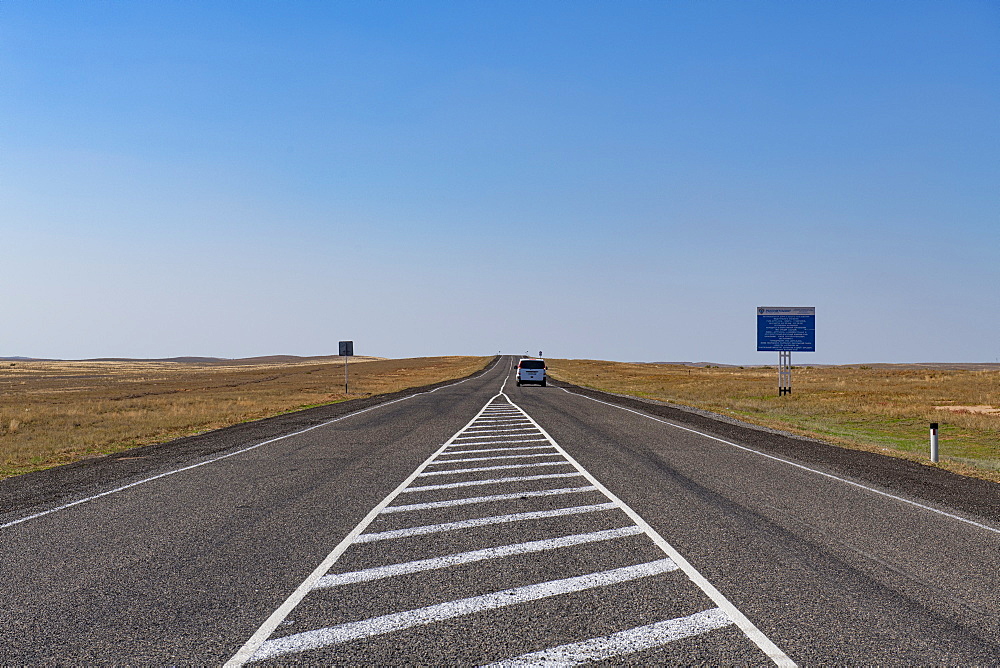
<point x="531" y="371"/>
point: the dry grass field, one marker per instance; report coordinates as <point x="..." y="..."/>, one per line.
<point x="882" y="408"/>
<point x="52" y="413"/>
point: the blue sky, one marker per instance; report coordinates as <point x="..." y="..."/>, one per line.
<point x="615" y="180"/>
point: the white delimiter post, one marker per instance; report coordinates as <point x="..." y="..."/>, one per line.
<point x="934" y="441"/>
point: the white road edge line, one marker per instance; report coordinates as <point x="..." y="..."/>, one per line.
<point x="380" y="572"/>
<point x="749" y="629"/>
<point x="271" y="623"/>
<point x="796" y="465"/>
<point x="366" y="628"/>
<point x="621" y="643"/>
<point x="226" y="456"/>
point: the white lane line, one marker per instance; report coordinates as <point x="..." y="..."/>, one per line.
<point x="398" y="621"/>
<point x="506" y="421"/>
<point x="482" y="459"/>
<point x="486" y="499"/>
<point x="481" y="431"/>
<point x="229" y="454"/>
<point x="514" y="449"/>
<point x="482" y="522"/>
<point x="267" y="628"/>
<point x="499" y="552"/>
<point x="492" y="468"/>
<point x="494" y="481"/>
<point x="798" y="466"/>
<point x="622" y="642"/>
<point x="749" y="629"/>
<point x="482" y="436"/>
<point x="498" y="441"/>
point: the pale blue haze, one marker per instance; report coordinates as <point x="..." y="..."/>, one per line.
<point x="618" y="180"/>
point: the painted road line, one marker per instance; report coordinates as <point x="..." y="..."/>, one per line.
<point x="486" y="436"/>
<point x="748" y="628"/>
<point x="482" y="522"/>
<point x="494" y="481"/>
<point x="623" y="642"/>
<point x="483" y="459"/>
<point x="482" y="436"/>
<point x="472" y="452"/>
<point x="499" y="442"/>
<point x="367" y="628"/>
<point x="482" y="431"/>
<point x="798" y="466"/>
<point x="486" y="499"/>
<point x="492" y="468"/>
<point x="498" y="552"/>
<point x="274" y="620"/>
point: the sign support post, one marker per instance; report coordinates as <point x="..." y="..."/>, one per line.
<point x="784" y="372"/>
<point x="346" y="351"/>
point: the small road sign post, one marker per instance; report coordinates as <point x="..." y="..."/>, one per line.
<point x="934" y="441"/>
<point x="346" y="350"/>
<point x="786" y="329"/>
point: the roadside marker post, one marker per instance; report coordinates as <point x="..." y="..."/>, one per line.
<point x="786" y="329"/>
<point x="934" y="442"/>
<point x="346" y="350"/>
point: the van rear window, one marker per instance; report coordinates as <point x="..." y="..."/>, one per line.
<point x="531" y="364"/>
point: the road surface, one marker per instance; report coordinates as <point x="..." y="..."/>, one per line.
<point x="483" y="523"/>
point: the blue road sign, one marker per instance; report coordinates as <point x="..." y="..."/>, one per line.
<point x="786" y="328"/>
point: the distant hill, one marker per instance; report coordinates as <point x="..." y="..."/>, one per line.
<point x="181" y="360"/>
<point x="263" y="359"/>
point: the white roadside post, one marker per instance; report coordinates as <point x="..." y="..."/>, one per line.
<point x="934" y="441"/>
<point x="346" y="350"/>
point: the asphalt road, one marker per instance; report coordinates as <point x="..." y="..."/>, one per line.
<point x="484" y="523"/>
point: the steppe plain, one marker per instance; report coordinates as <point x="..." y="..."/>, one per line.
<point x="57" y="412"/>
<point x="885" y="408"/>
